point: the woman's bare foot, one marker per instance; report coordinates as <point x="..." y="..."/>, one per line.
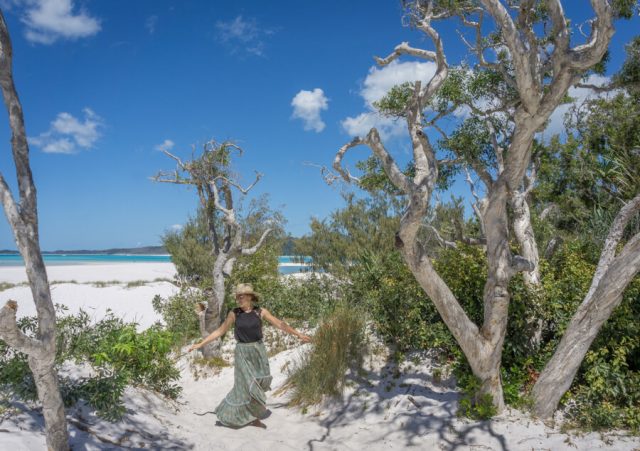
<point x="259" y="424"/>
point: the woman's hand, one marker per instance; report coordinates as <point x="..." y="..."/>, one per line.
<point x="193" y="347"/>
<point x="304" y="338"/>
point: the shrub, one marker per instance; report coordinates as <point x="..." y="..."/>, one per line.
<point x="119" y="356"/>
<point x="178" y="314"/>
<point x="337" y="346"/>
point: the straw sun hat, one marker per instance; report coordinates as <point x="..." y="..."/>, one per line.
<point x="246" y="288"/>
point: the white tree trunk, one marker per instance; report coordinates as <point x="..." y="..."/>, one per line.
<point x="612" y="276"/>
<point x="523" y="231"/>
<point x="23" y="219"/>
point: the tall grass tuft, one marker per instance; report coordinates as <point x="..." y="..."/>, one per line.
<point x="338" y="345"/>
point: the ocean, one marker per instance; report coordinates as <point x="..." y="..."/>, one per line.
<point x="287" y="264"/>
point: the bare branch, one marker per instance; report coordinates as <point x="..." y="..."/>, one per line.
<point x="10" y="332"/>
<point x="177" y="159"/>
<point x="584" y="56"/>
<point x="442" y="241"/>
<point x="9" y="204"/>
<point x="236" y="185"/>
<point x="329" y="177"/>
<point x="391" y="169"/>
<point x="171" y="177"/>
<point x="527" y="84"/>
<point x="623" y="217"/>
<point x="254" y="249"/>
<point x="547" y="211"/>
<point x="599" y="89"/>
<point x="216" y="201"/>
<point x="405" y="49"/>
<point x="337" y="161"/>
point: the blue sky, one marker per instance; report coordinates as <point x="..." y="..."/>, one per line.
<point x="105" y="84"/>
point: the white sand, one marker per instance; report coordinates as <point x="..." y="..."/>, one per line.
<point x="378" y="412"/>
<point x="133" y="304"/>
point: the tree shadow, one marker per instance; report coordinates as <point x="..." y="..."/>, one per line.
<point x="392" y="403"/>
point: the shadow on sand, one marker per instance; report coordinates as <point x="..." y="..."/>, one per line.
<point x="405" y="405"/>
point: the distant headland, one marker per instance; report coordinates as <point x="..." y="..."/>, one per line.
<point x="147" y="250"/>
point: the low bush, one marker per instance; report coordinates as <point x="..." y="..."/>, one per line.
<point x="337" y="346"/>
<point x="178" y="314"/>
<point x="118" y="355"/>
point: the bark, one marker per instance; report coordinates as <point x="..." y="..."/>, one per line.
<point x="23" y="219"/>
<point x="539" y="95"/>
<point x="612" y="276"/>
<point x="523" y="231"/>
<point x="216" y="198"/>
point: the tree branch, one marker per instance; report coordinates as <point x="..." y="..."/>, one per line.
<point x="404" y="49"/>
<point x="236" y="185"/>
<point x="254" y="249"/>
<point x="337" y="161"/>
<point x="14" y="337"/>
<point x="623" y="217"/>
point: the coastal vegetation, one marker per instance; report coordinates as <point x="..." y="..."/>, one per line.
<point x="530" y="300"/>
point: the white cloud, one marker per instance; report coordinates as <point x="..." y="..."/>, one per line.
<point x="49" y="20"/>
<point x="69" y="135"/>
<point x="307" y="106"/>
<point x="242" y="35"/>
<point x="363" y="123"/>
<point x="167" y="145"/>
<point x="378" y="83"/>
<point x="579" y="95"/>
<point x="150" y="24"/>
<point x="176" y="227"/>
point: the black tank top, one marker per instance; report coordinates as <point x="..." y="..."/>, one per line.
<point x="248" y="325"/>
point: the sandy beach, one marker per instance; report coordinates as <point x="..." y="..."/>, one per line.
<point x="96" y="288"/>
<point x="383" y="410"/>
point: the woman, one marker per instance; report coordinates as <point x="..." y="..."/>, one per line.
<point x="246" y="403"/>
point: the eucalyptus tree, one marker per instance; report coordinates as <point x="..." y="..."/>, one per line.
<point x="212" y="177"/>
<point x="535" y="64"/>
<point x="22" y="214"/>
<point x="607" y="142"/>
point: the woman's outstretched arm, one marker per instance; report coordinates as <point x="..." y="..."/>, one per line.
<point x="220" y="331"/>
<point x="266" y="314"/>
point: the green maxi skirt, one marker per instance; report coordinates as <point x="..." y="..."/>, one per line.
<point x="251" y="378"/>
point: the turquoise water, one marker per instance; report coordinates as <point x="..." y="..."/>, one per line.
<point x="288" y="264"/>
<point x="84" y="259"/>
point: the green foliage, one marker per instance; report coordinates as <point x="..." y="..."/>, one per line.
<point x="337" y="346"/>
<point x="399" y="308"/>
<point x="395" y="102"/>
<point x="307" y="300"/>
<point x="472" y="403"/>
<point x="335" y="244"/>
<point x="118" y="355"/>
<point x="629" y="75"/>
<point x="178" y="314"/>
<point x="190" y="250"/>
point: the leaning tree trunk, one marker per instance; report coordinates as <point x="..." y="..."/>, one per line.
<point x="612" y="276"/>
<point x="23" y="219"/>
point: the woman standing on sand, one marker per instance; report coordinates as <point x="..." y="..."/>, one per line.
<point x="246" y="403"/>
